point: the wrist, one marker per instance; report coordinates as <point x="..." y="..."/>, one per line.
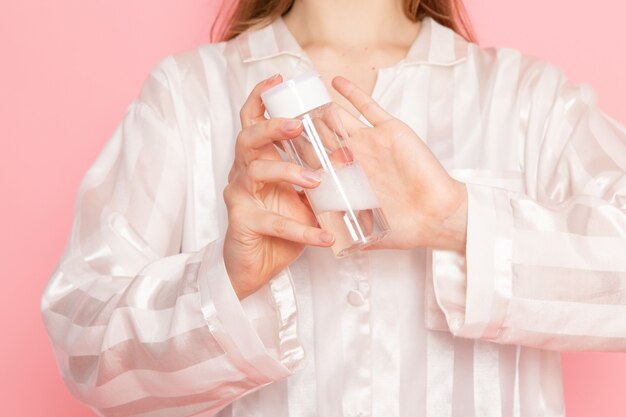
<point x="452" y="232"/>
<point x="240" y="291"/>
<point x="236" y="275"/>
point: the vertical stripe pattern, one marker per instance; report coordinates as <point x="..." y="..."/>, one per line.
<point x="144" y="320"/>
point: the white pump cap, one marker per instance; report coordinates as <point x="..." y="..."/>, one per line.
<point x="296" y="96"/>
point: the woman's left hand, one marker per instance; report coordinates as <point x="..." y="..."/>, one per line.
<point x="424" y="206"/>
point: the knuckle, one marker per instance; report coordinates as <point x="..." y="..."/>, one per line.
<point x="237" y="215"/>
<point x="233" y="172"/>
<point x="274" y="126"/>
<point x="309" y="235"/>
<point x="227" y="193"/>
<point x="269" y="131"/>
<point x="334" y="107"/>
<point x="240" y="142"/>
<point x="276" y="130"/>
<point x="280" y="226"/>
<point x="367" y="105"/>
<point x="253" y="169"/>
<point x="294" y="171"/>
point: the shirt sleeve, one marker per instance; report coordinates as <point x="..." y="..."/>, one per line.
<point x="139" y="327"/>
<point x="546" y="267"/>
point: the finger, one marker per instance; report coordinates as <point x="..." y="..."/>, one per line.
<point x="253" y="109"/>
<point x="272" y="224"/>
<point x="306" y="150"/>
<point x="341" y="156"/>
<point x="266" y="132"/>
<point x="324" y="143"/>
<point x="320" y="141"/>
<point x="342" y="121"/>
<point x="267" y="171"/>
<point x="304" y="199"/>
<point x="361" y="101"/>
<point x="333" y="141"/>
<point x="241" y="162"/>
<point x="280" y="146"/>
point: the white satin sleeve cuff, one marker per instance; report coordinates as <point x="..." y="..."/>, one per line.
<point x="259" y="334"/>
<point x="473" y="290"/>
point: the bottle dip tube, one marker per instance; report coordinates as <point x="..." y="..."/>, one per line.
<point x="343" y="202"/>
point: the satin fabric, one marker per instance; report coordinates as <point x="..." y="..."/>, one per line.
<point x="143" y="318"/>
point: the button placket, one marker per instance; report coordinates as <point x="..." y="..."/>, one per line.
<point x="357" y="271"/>
<point x="358" y="390"/>
<point x="356" y="298"/>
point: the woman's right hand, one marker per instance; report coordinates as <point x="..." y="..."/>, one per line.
<point x="269" y="222"/>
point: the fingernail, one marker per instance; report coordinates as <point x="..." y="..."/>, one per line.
<point x="291" y="124"/>
<point x="314" y="176"/>
<point x="272" y="78"/>
<point x="326" y="237"/>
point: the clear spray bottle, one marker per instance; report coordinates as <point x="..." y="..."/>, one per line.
<point x="343" y="202"/>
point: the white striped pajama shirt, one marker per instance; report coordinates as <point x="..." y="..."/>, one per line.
<point x="143" y="318"/>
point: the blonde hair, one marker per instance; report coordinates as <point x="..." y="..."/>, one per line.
<point x="258" y="13"/>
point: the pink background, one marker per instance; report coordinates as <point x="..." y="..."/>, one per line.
<point x="69" y="69"/>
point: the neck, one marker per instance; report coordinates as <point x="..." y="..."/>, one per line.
<point x="351" y="23"/>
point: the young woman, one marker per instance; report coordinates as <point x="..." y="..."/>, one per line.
<point x="196" y="281"/>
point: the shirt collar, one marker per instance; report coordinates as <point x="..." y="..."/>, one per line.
<point x="435" y="44"/>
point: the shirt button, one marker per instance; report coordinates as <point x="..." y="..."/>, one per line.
<point x="356" y="298"/>
<point x="455" y="324"/>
